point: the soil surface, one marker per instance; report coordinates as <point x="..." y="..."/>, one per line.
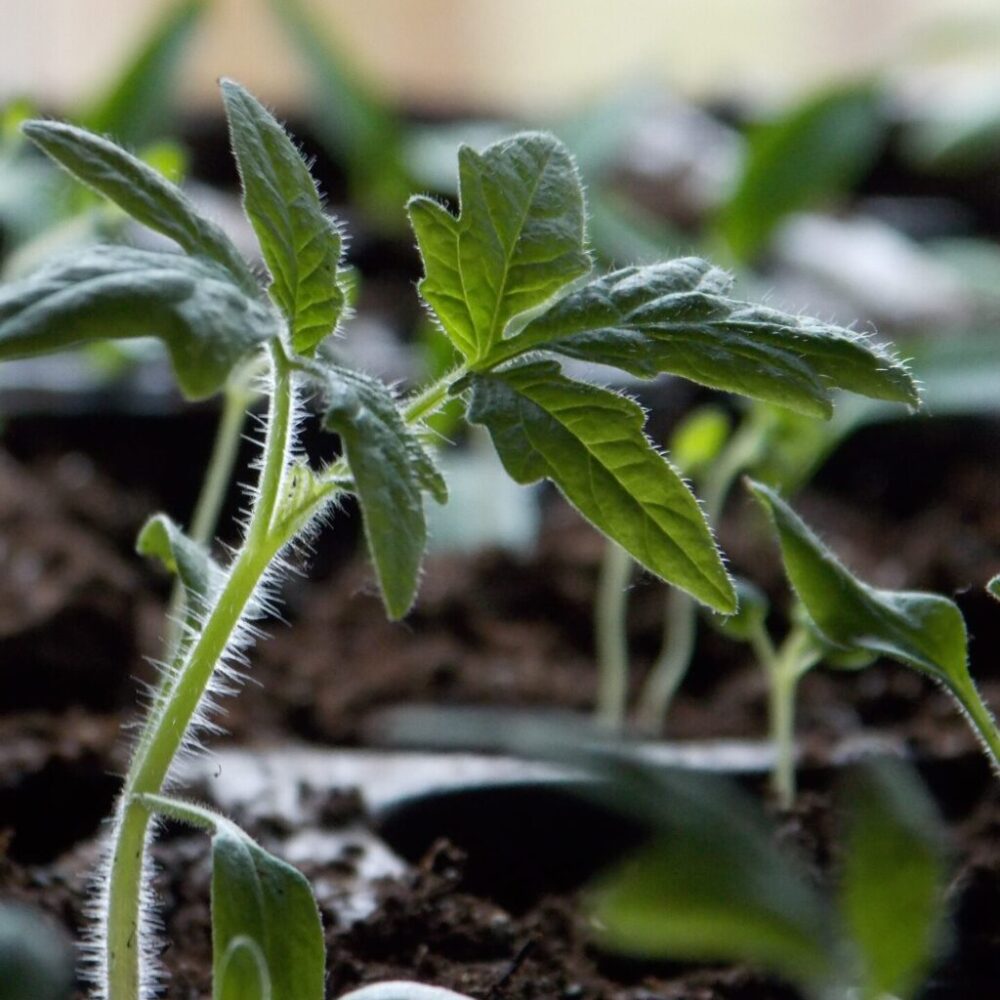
<point x="80" y="618"/>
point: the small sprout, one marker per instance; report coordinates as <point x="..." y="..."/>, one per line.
<point x="922" y="631"/>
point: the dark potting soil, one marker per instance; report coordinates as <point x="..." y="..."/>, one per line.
<point x="79" y="615"/>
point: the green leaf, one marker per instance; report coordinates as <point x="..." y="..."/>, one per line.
<point x="815" y="152"/>
<point x="925" y="631"/>
<point x="139" y="190"/>
<point x="257" y="896"/>
<point x="892" y="879"/>
<point x="993" y="587"/>
<point x="391" y="471"/>
<point x="675" y="317"/>
<point x="517" y="243"/>
<point x="136" y="107"/>
<point x="199" y="574"/>
<point x="699" y="438"/>
<point x="243" y="972"/>
<point x="116" y="292"/>
<point x="301" y="244"/>
<point x="713" y="886"/>
<point x="590" y="443"/>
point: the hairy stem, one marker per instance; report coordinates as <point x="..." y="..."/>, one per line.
<point x="171" y="717"/>
<point x="611" y="635"/>
<point x="981" y="718"/>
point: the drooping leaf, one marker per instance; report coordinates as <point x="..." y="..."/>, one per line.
<point x="713" y="886"/>
<point x="115" y="292"/>
<point x="815" y="152"/>
<point x="517" y="243"/>
<point x="243" y="972"/>
<point x="199" y="574"/>
<point x="139" y="190"/>
<point x="676" y="317"/>
<point x="391" y="471"/>
<point x="256" y="897"/>
<point x="925" y="631"/>
<point x="136" y="107"/>
<point x="590" y="443"/>
<point x="892" y="879"/>
<point x="301" y="244"/>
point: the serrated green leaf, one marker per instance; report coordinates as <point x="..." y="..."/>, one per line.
<point x="517" y="243"/>
<point x="391" y="471"/>
<point x="117" y="292"/>
<point x="676" y="317"/>
<point x="192" y="563"/>
<point x="811" y="154"/>
<point x="135" y="108"/>
<point x="925" y="631"/>
<point x="243" y="972"/>
<point x="713" y="886"/>
<point x="255" y="895"/>
<point x="590" y="443"/>
<point x="301" y="244"/>
<point x="139" y="190"/>
<point x="892" y="879"/>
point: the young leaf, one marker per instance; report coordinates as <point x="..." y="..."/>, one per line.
<point x="922" y="630"/>
<point x="301" y="244"/>
<point x="199" y="574"/>
<point x="516" y="244"/>
<point x="892" y="879"/>
<point x="243" y="973"/>
<point x="676" y="317"/>
<point x="818" y="150"/>
<point x="134" y="109"/>
<point x="590" y="443"/>
<point x="391" y="471"/>
<point x="117" y="292"/>
<point x="256" y="897"/>
<point x="139" y="190"/>
<point x="713" y="886"/>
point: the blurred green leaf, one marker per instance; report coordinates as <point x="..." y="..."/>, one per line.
<point x="713" y="886"/>
<point x="892" y="878"/>
<point x="36" y="962"/>
<point x="810" y="155"/>
<point x="136" y="107"/>
<point x="749" y="616"/>
<point x="243" y="972"/>
<point x="699" y="438"/>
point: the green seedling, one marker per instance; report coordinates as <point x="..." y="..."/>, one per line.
<point x="509" y="280"/>
<point x="847" y="624"/>
<point x="713" y="886"/>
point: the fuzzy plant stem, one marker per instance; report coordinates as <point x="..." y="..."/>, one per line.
<point x="785" y="667"/>
<point x="680" y="618"/>
<point x="983" y="722"/>
<point x="611" y="636"/>
<point x="171" y="719"/>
